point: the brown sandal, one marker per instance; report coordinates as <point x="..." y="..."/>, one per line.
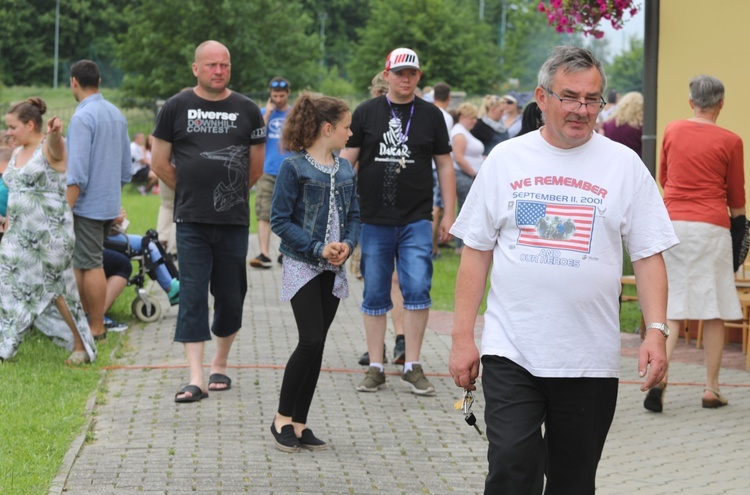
<point x="719" y="401"/>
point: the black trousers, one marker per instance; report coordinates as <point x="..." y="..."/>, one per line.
<point x="576" y="414"/>
<point x="314" y="307"/>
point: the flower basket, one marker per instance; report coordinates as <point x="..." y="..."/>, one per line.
<point x="584" y="16"/>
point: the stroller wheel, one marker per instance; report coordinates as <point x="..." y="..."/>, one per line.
<point x="143" y="312"/>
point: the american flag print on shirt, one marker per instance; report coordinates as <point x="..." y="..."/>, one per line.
<point x="555" y="226"/>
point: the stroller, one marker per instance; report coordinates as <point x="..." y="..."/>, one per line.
<point x="153" y="260"/>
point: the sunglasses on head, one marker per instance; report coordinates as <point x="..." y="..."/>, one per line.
<point x="279" y="84"/>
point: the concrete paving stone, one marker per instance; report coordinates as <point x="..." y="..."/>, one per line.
<point x="389" y="442"/>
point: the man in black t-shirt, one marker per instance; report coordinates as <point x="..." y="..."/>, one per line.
<point x="394" y="139"/>
<point x="215" y="138"/>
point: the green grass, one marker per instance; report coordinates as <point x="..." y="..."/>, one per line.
<point x="444" y="281"/>
<point x="54" y="98"/>
<point x="43" y="401"/>
<point x="61" y="102"/>
<point x="43" y="409"/>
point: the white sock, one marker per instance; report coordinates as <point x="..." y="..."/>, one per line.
<point x="379" y="366"/>
<point x="407" y="366"/>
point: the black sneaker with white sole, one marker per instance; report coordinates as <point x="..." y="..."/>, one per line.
<point x="399" y="350"/>
<point x="261" y="261"/>
<point x="364" y="359"/>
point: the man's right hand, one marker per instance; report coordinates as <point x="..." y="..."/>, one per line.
<point x="463" y="363"/>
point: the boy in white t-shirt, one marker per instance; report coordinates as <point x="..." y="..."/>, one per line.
<point x="549" y="213"/>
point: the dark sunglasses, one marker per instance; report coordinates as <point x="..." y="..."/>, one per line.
<point x="279" y="84"/>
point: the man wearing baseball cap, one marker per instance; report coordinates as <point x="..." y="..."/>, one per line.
<point x="394" y="139"/>
<point x="274" y="115"/>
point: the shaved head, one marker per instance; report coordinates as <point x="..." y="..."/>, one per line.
<point x="209" y="45"/>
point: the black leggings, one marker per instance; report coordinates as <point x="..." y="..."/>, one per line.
<point x="314" y="307"/>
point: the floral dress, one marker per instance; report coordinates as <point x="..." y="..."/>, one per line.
<point x="36" y="257"/>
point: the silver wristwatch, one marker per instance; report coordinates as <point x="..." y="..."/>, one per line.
<point x="662" y="327"/>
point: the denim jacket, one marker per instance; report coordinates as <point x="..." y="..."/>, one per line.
<point x="299" y="208"/>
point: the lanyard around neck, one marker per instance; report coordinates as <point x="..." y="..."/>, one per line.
<point x="404" y="134"/>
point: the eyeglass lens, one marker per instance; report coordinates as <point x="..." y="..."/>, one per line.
<point x="571" y="105"/>
<point x="574" y="106"/>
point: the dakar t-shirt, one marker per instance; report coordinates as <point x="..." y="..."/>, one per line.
<point x="397" y="143"/>
<point x="211" y="153"/>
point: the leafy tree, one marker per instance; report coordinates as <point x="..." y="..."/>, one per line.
<point x="341" y="20"/>
<point x="452" y="45"/>
<point x="625" y="73"/>
<point x="528" y="41"/>
<point x="22" y="56"/>
<point x="335" y="85"/>
<point x="265" y="37"/>
<point x="27" y="38"/>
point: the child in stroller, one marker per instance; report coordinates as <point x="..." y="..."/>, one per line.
<point x="152" y="260"/>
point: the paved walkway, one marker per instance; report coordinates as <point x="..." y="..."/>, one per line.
<point x="390" y="442"/>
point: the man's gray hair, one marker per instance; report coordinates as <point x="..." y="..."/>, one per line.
<point x="706" y="91"/>
<point x="569" y="59"/>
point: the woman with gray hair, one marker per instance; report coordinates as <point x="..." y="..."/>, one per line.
<point x="702" y="174"/>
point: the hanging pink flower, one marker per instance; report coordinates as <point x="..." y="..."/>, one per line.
<point x="584" y="15"/>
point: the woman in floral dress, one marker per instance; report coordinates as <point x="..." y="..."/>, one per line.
<point x="37" y="284"/>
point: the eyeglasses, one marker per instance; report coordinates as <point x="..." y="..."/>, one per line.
<point x="571" y="105"/>
<point x="509" y="102"/>
<point x="279" y="84"/>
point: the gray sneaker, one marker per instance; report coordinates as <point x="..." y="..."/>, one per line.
<point x="373" y="380"/>
<point x="417" y="381"/>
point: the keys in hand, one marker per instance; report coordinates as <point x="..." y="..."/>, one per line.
<point x="471" y="420"/>
<point x="465" y="407"/>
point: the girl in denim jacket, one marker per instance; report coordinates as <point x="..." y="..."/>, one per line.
<point x="315" y="212"/>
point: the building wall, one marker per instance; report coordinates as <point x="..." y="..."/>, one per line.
<point x="705" y="37"/>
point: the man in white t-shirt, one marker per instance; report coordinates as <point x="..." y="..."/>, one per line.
<point x="549" y="214"/>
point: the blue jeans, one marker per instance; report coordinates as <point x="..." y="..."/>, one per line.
<point x="411" y="246"/>
<point x="437" y="197"/>
<point x="211" y="257"/>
